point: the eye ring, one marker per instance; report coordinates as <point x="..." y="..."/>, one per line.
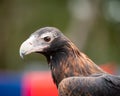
<point x="47" y="39"/>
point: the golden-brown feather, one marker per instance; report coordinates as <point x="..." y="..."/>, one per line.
<point x="72" y="62"/>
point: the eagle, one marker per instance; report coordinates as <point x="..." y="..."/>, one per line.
<point x="73" y="72"/>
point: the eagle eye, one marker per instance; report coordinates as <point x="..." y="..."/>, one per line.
<point x="47" y="39"/>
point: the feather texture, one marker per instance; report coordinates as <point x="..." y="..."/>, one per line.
<point x="94" y="85"/>
<point x="74" y="73"/>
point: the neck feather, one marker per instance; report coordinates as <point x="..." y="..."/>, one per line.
<point x="69" y="61"/>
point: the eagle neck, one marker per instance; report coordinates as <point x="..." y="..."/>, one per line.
<point x="69" y="61"/>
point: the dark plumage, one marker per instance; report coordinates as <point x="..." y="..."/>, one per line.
<point x="73" y="72"/>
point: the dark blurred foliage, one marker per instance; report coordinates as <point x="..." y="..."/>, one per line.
<point x="99" y="36"/>
<point x="103" y="41"/>
<point x="19" y="18"/>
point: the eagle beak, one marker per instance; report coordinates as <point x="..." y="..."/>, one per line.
<point x="31" y="45"/>
<point x="27" y="47"/>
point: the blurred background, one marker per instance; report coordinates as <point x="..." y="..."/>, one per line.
<point x="93" y="25"/>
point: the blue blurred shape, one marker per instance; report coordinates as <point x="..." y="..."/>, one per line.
<point x="10" y="84"/>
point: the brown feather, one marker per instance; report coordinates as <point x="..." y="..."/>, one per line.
<point x="94" y="85"/>
<point x="71" y="62"/>
<point x="72" y="71"/>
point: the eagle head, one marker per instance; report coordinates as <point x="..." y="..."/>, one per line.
<point x="45" y="40"/>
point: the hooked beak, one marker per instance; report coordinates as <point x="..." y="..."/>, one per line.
<point x="26" y="48"/>
<point x="29" y="46"/>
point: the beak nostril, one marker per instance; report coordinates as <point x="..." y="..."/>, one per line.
<point x="30" y="43"/>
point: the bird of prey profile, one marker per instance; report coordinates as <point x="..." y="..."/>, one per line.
<point x="72" y="71"/>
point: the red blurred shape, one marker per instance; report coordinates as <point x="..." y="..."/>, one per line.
<point x="38" y="84"/>
<point x="109" y="67"/>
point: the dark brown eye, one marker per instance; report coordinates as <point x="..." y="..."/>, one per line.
<point x="47" y="39"/>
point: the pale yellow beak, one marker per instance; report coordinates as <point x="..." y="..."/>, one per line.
<point x="32" y="44"/>
<point x="26" y="47"/>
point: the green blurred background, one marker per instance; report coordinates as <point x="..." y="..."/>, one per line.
<point x="93" y="25"/>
